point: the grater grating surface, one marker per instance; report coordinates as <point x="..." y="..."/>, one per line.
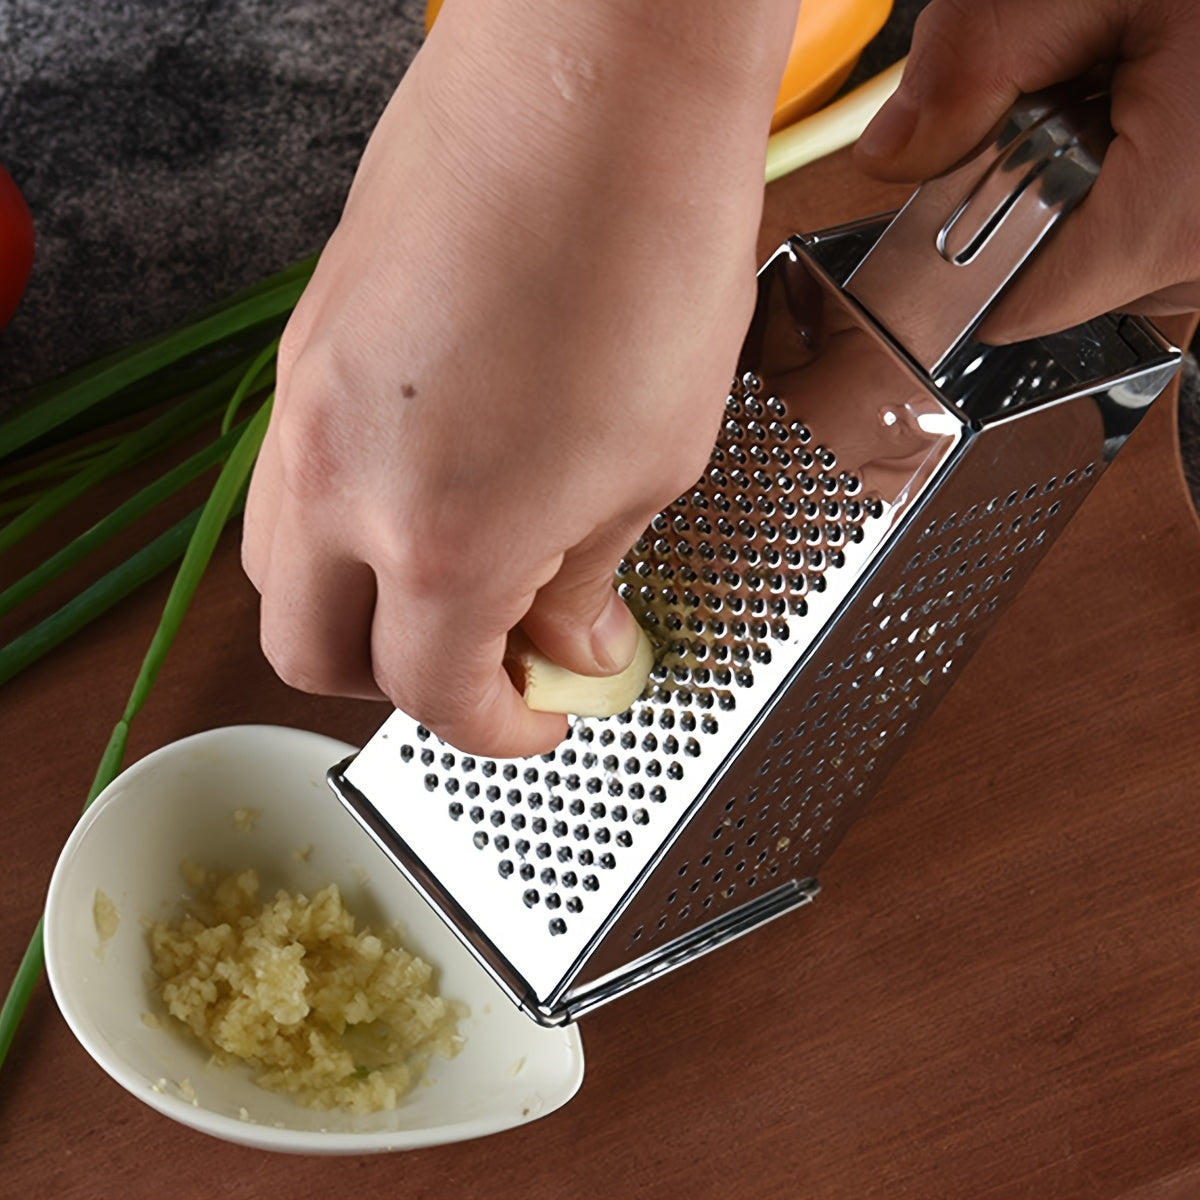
<point x="733" y="582"/>
<point x="874" y="676"/>
<point x="858" y="527"/>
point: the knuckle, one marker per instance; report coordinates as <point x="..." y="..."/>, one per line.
<point x="944" y="20"/>
<point x="452" y="690"/>
<point x="430" y="567"/>
<point x="297" y="667"/>
<point x="291" y="343"/>
<point x="251" y="564"/>
<point x="954" y="46"/>
<point x="415" y="690"/>
<point x="935" y="35"/>
<point x="314" y="443"/>
<point x="681" y="477"/>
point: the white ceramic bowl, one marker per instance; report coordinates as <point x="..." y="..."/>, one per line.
<point x="177" y="804"/>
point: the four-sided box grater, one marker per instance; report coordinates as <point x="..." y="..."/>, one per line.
<point x="882" y="487"/>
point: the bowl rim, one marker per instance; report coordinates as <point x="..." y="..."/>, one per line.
<point x="232" y="1129"/>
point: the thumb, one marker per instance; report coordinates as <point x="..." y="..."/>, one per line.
<point x="577" y="620"/>
<point x="970" y="60"/>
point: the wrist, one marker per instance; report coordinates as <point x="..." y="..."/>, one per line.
<point x="634" y="71"/>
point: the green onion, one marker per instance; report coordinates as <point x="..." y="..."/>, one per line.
<point x="22" y="987"/>
<point x="836" y="125"/>
<point x="177" y="422"/>
<point x="48" y="407"/>
<point x="259" y="374"/>
<point x="162" y="388"/>
<point x="192" y="361"/>
<point x="18" y="504"/>
<point x="120" y="518"/>
<point x="226" y="497"/>
<point x="93" y="601"/>
<point x="56" y="468"/>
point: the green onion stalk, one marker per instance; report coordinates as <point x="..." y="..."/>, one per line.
<point x="225" y="500"/>
<point x="122" y="385"/>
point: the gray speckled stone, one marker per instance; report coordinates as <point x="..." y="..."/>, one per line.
<point x="173" y="151"/>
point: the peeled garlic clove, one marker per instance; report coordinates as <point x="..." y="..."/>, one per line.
<point x="547" y="687"/>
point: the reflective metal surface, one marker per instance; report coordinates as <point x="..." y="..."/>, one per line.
<point x="962" y="236"/>
<point x="859" y="526"/>
<point x="734" y="583"/>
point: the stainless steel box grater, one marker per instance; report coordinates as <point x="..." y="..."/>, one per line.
<point x="883" y="485"/>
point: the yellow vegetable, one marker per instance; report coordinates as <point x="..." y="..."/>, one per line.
<point x="829" y="37"/>
<point x="832" y="127"/>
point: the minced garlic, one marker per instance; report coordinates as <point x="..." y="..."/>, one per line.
<point x="106" y="919"/>
<point x="335" y="1017"/>
<point x="245" y="819"/>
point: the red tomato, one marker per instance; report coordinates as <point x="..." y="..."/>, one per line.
<point x="16" y="246"/>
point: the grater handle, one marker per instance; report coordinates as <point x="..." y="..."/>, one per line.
<point x="961" y="237"/>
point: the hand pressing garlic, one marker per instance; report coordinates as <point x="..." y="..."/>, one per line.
<point x="514" y="352"/>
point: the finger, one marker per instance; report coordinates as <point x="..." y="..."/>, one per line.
<point x="577" y="619"/>
<point x="1167" y="302"/>
<point x="970" y="60"/>
<point x="443" y="665"/>
<point x="316" y="615"/>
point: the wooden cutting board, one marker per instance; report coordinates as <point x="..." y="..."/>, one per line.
<point x="996" y="995"/>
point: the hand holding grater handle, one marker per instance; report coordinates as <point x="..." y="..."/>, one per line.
<point x="962" y="236"/>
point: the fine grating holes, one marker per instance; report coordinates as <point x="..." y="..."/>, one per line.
<point x="719" y="580"/>
<point x="725" y="581"/>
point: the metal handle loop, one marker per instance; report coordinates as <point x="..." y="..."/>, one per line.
<point x="961" y="237"/>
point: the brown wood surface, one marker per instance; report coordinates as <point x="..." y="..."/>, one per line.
<point x="997" y="995"/>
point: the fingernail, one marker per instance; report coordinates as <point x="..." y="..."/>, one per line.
<point x="891" y="129"/>
<point x="614" y="637"/>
